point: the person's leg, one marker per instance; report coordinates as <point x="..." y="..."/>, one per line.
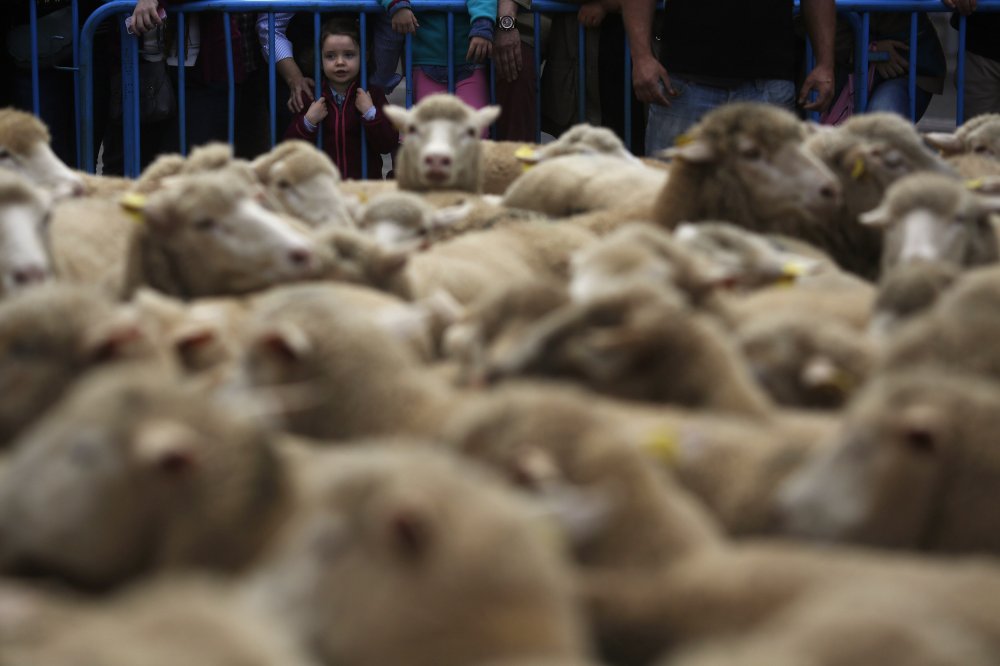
<point x="387" y="50"/>
<point x="424" y="85"/>
<point x="891" y="95"/>
<point x="611" y="67"/>
<point x="982" y="85"/>
<point x="475" y="91"/>
<point x="767" y="91"/>
<point x="517" y="99"/>
<point x="666" y="123"/>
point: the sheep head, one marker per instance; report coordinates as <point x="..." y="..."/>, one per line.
<point x="440" y="147"/>
<point x="745" y="163"/>
<point x="24" y="149"/>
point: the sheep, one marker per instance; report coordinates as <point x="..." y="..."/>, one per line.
<point x="908" y="290"/>
<point x="805" y="361"/>
<point x="741" y="591"/>
<point x="935" y="217"/>
<point x="745" y="260"/>
<point x="305" y="184"/>
<point x="167" y="622"/>
<point x="867" y="154"/>
<point x="426" y="552"/>
<point x="204" y="236"/>
<point x="24" y="257"/>
<point x="132" y="474"/>
<point x="464" y="266"/>
<point x="745" y="163"/>
<point x="440" y="143"/>
<point x="638" y="346"/>
<point x="356" y="378"/>
<point x="583" y="455"/>
<point x="51" y="335"/>
<point x="974" y="167"/>
<point x="573" y="184"/>
<point x="913" y="467"/>
<point x="978" y="136"/>
<point x="24" y="149"/>
<point x="956" y="333"/>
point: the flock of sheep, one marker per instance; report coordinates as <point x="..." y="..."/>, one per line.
<point x="522" y="406"/>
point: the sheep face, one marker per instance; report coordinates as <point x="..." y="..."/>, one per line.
<point x="24" y="149"/>
<point x="121" y="479"/>
<point x="440" y="147"/>
<point x="747" y="165"/>
<point x="878" y="483"/>
<point x="980" y="136"/>
<point x="216" y="240"/>
<point x="935" y="218"/>
<point x="24" y="258"/>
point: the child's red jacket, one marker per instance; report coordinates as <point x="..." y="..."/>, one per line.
<point x="342" y="132"/>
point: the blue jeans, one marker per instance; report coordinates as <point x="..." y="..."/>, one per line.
<point x="894" y="95"/>
<point x="666" y="123"/>
<point x="387" y="51"/>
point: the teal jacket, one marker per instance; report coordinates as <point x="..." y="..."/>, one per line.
<point x="430" y="42"/>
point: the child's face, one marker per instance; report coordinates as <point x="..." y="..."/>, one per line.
<point x="341" y="60"/>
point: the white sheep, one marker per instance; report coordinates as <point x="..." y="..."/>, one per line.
<point x="24" y="257"/>
<point x="24" y="148"/>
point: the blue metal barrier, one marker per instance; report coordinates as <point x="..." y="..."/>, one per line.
<point x="857" y="11"/>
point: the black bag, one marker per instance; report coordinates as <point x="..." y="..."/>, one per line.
<point x="157" y="100"/>
<point x="55" y="40"/>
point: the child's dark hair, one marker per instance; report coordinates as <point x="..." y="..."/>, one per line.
<point x="341" y="26"/>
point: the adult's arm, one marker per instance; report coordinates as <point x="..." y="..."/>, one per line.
<point x="507" y="44"/>
<point x="647" y="72"/>
<point x="300" y="86"/>
<point x="963" y="7"/>
<point x="821" y="25"/>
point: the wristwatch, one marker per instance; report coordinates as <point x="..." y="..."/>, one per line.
<point x="506" y="22"/>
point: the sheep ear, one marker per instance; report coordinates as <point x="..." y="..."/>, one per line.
<point x="166" y="446"/>
<point x="694" y="151"/>
<point x="399" y="116"/>
<point x="188" y="343"/>
<point x="946" y="142"/>
<point x="485" y="116"/>
<point x="112" y="341"/>
<point x="878" y="217"/>
<point x="287" y="343"/>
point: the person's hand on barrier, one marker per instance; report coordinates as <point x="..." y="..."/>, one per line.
<point x="302" y="88"/>
<point x="963" y="7"/>
<point x="819" y="80"/>
<point x="480" y="49"/>
<point x="363" y="101"/>
<point x="591" y="14"/>
<point x="403" y="21"/>
<point x="650" y="80"/>
<point x="145" y="16"/>
<point x="507" y="54"/>
<point x="898" y="64"/>
<point x="317" y="111"/>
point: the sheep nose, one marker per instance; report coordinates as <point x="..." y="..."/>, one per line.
<point x="437" y="161"/>
<point x="830" y="191"/>
<point x="29" y="274"/>
<point x="300" y="256"/>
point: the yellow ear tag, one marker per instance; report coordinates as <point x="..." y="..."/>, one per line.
<point x="790" y="272"/>
<point x="662" y="444"/>
<point x="134" y="204"/>
<point x="683" y="140"/>
<point x="527" y="155"/>
<point x="859" y="169"/>
<point x="975" y="184"/>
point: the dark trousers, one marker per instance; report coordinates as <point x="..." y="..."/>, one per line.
<point x="517" y="99"/>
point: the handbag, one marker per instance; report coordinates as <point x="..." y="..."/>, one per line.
<point x="157" y="100"/>
<point x="55" y="40"/>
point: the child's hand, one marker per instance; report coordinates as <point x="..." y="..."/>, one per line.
<point x="363" y="101"/>
<point x="480" y="49"/>
<point x="591" y="14"/>
<point x="403" y="21"/>
<point x="317" y="111"/>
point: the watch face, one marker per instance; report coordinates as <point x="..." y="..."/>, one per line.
<point x="506" y="22"/>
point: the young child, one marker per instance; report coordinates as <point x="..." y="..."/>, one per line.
<point x="344" y="107"/>
<point x="472" y="48"/>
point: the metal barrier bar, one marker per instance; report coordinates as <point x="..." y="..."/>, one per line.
<point x="230" y="79"/>
<point x="83" y="54"/>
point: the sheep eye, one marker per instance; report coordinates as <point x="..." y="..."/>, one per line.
<point x="980" y="150"/>
<point x="412" y="129"/>
<point x="283" y="184"/>
<point x="205" y="224"/>
<point x="470" y="132"/>
<point x="752" y="153"/>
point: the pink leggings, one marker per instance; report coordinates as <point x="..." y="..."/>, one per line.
<point x="474" y="91"/>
